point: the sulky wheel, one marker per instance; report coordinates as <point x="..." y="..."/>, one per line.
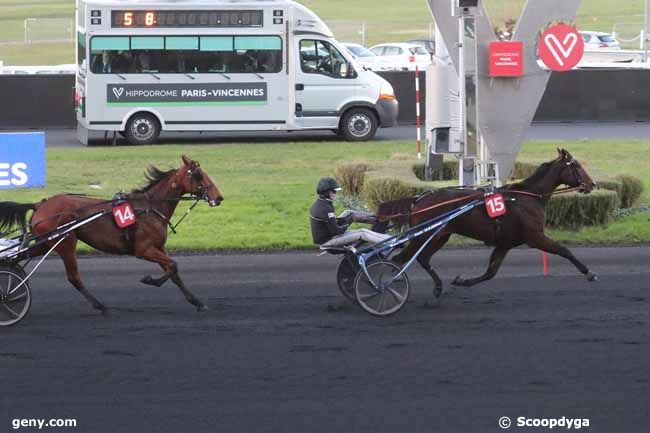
<point x="345" y="275"/>
<point x="15" y="295"/>
<point x="388" y="294"/>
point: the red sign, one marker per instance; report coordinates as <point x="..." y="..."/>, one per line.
<point x="124" y="215"/>
<point x="495" y="205"/>
<point x="561" y="47"/>
<point x="506" y="59"/>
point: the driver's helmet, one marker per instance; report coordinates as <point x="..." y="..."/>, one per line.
<point x="327" y="184"/>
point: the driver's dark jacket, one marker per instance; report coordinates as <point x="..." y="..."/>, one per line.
<point x="324" y="224"/>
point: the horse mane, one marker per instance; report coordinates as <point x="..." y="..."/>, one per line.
<point x="533" y="179"/>
<point x="153" y="175"/>
<point x="398" y="209"/>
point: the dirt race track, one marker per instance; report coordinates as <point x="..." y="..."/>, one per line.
<point x="275" y="353"/>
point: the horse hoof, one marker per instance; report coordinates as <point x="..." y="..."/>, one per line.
<point x="102" y="309"/>
<point x="147" y="280"/>
<point x="437" y="292"/>
<point x="592" y="276"/>
<point x="458" y="281"/>
<point x="202" y="307"/>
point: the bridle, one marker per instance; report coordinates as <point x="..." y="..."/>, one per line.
<point x="201" y="191"/>
<point x="572" y="164"/>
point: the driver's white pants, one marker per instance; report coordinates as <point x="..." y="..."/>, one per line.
<point x="354" y="236"/>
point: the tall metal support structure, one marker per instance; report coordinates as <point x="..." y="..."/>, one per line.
<point x="506" y="106"/>
<point x="646" y="27"/>
<point x="468" y="73"/>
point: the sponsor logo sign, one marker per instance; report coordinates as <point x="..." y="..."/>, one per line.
<point x="506" y="59"/>
<point x="187" y="94"/>
<point x="22" y="160"/>
<point x="561" y="47"/>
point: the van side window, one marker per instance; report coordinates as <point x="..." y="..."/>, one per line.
<point x="186" y="54"/>
<point x="320" y="57"/>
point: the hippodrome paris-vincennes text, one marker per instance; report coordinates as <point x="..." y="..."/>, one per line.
<point x="197" y="93"/>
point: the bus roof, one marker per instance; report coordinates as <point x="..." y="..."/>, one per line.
<point x="212" y="3"/>
<point x="305" y="20"/>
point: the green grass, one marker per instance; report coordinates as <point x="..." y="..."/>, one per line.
<point x="38" y="54"/>
<point x="604" y="158"/>
<point x="268" y="188"/>
<point x="386" y="21"/>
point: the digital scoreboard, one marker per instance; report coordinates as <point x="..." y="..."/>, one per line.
<point x="186" y="18"/>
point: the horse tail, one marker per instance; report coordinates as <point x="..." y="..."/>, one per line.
<point x="13" y="214"/>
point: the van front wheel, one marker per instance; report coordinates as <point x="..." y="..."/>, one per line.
<point x="359" y="124"/>
<point x="142" y="128"/>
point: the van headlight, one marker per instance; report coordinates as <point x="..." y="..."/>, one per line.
<point x="386" y="93"/>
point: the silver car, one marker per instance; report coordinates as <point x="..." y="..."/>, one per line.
<point x="595" y="41"/>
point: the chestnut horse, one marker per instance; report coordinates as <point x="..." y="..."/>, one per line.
<point x="154" y="206"/>
<point x="523" y="222"/>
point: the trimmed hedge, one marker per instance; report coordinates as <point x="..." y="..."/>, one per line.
<point x="628" y="188"/>
<point x="632" y="191"/>
<point x="450" y="171"/>
<point x="576" y="210"/>
<point x="351" y="177"/>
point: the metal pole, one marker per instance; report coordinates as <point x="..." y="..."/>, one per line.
<point x="418" y="123"/>
<point x="462" y="96"/>
<point x="645" y="31"/>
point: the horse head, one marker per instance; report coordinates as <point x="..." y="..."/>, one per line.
<point x="195" y="181"/>
<point x="572" y="173"/>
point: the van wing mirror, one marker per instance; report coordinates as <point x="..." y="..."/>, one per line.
<point x="343" y="72"/>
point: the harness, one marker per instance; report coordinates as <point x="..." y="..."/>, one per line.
<point x="477" y="193"/>
<point x="121" y="197"/>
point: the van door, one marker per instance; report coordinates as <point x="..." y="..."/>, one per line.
<point x="325" y="81"/>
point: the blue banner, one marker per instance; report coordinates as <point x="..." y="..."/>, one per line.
<point x="22" y="160"/>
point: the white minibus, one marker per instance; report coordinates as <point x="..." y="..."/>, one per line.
<point x="219" y="65"/>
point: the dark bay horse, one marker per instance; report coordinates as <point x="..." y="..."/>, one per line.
<point x="523" y="222"/>
<point x="154" y="206"/>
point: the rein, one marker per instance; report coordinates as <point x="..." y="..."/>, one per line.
<point x="541" y="196"/>
<point x="437" y="205"/>
<point x="383" y="218"/>
<point x="105" y="202"/>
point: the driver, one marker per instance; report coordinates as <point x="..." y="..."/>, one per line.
<point x="329" y="231"/>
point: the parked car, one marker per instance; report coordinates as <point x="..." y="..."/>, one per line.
<point x="427" y="44"/>
<point x="402" y="56"/>
<point x="365" y="57"/>
<point x="595" y="41"/>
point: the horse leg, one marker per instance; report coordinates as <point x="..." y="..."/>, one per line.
<point x="544" y="243"/>
<point x="496" y="259"/>
<point x="67" y="252"/>
<point x="424" y="259"/>
<point x="170" y="267"/>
